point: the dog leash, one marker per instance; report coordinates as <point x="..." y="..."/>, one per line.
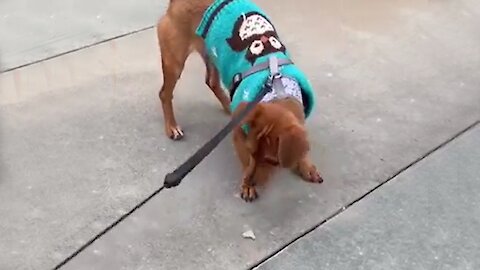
<point x="174" y="178"/>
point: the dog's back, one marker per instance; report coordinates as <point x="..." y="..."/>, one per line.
<point x="187" y="13"/>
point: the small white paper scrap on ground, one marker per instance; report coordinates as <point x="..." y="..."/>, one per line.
<point x="249" y="234"/>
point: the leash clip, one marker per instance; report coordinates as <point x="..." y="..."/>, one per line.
<point x="275" y="78"/>
<point x="269" y="82"/>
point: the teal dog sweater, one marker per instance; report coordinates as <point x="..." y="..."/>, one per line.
<point x="238" y="35"/>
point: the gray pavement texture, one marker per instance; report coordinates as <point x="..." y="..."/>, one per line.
<point x="82" y="139"/>
<point x="426" y="218"/>
<point x="34" y="30"/>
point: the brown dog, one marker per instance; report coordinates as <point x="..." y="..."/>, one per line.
<point x="277" y="136"/>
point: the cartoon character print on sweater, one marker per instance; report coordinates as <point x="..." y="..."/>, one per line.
<point x="254" y="32"/>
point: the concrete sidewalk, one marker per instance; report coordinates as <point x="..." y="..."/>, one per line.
<point x="82" y="139"/>
<point x="35" y="30"/>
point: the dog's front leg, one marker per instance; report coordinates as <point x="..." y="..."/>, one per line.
<point x="248" y="190"/>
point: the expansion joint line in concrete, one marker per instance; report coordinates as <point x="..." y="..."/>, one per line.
<point x="313" y="228"/>
<point x="107" y="229"/>
<point x="76" y="49"/>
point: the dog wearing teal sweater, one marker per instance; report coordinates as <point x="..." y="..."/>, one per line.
<point x="241" y="49"/>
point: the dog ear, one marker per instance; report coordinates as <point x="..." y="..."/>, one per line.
<point x="292" y="146"/>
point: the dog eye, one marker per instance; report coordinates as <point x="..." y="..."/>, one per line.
<point x="256" y="47"/>
<point x="275" y="43"/>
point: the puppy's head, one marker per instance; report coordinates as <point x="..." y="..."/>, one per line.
<point x="283" y="136"/>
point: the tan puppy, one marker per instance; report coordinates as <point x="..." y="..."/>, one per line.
<point x="277" y="136"/>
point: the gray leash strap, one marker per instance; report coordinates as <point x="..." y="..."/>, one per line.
<point x="276" y="76"/>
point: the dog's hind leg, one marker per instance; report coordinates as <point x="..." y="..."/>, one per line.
<point x="212" y="78"/>
<point x="175" y="46"/>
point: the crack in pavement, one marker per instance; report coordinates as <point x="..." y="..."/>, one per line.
<point x="77" y="49"/>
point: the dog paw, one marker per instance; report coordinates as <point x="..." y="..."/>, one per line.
<point x="175" y="133"/>
<point x="309" y="173"/>
<point x="248" y="193"/>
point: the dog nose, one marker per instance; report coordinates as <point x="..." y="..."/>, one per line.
<point x="264" y="39"/>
